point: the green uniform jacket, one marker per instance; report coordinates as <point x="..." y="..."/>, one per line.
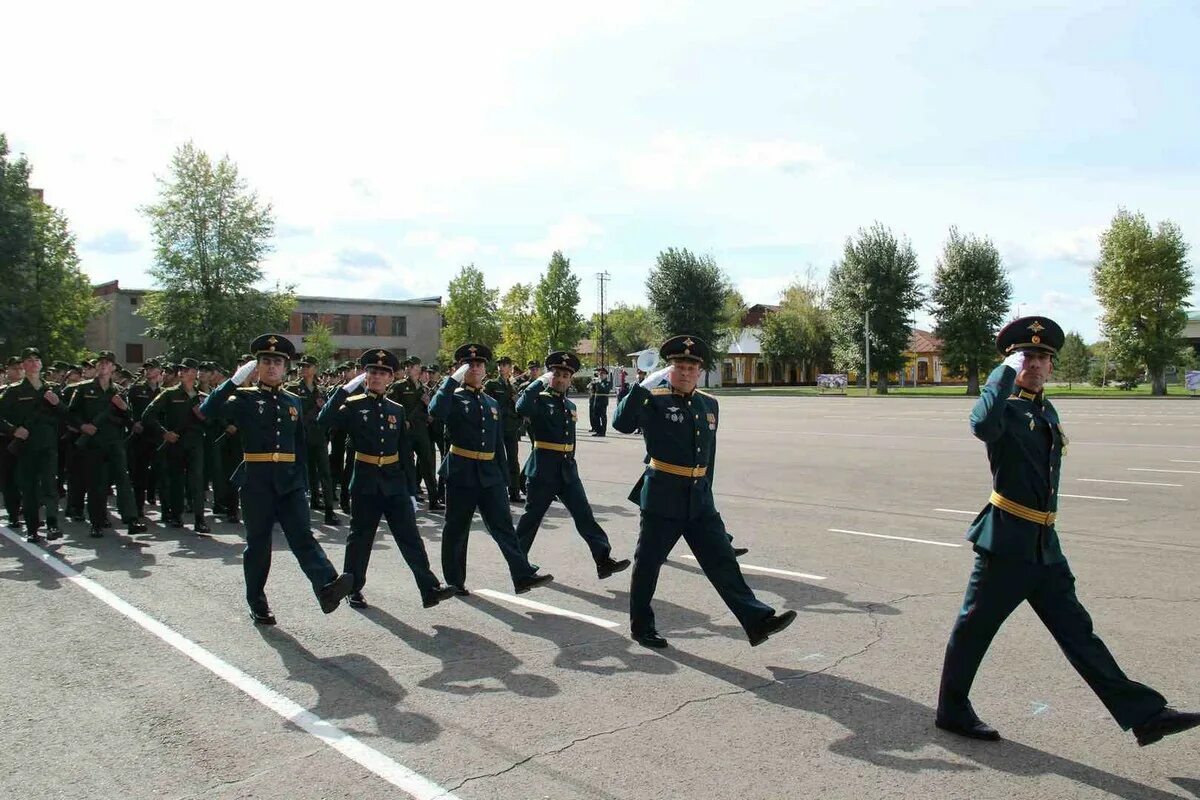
<point x="552" y="418"/>
<point x="92" y="404"/>
<point x="599" y="390"/>
<point x="139" y="397"/>
<point x="1025" y="444"/>
<point x="505" y="392"/>
<point x="680" y="431"/>
<point x="22" y="406"/>
<point x="411" y="395"/>
<point x="174" y="411"/>
<point x="308" y="401"/>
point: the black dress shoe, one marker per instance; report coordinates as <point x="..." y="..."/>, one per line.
<point x="330" y="517"/>
<point x="331" y="594"/>
<point x="740" y="551"/>
<point x="34" y="538"/>
<point x="516" y="499"/>
<point x="609" y="567"/>
<point x="1165" y="723"/>
<point x="233" y="518"/>
<point x="769" y="626"/>
<point x="136" y="527"/>
<point x="357" y="600"/>
<point x="972" y="729"/>
<point x="459" y="591"/>
<point x="434" y="505"/>
<point x="201" y="527"/>
<point x="53" y="531"/>
<point x="650" y="639"/>
<point x="431" y="599"/>
<point x="106" y="524"/>
<point x="96" y="532"/>
<point x="174" y="523"/>
<point x="260" y="612"/>
<point x="533" y="581"/>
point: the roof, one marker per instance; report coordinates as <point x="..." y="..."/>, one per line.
<point x="920" y="341"/>
<point x="754" y="315"/>
<point x="586" y="347"/>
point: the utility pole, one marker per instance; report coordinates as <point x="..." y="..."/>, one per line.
<point x="602" y="279"/>
<point x="867" y="342"/>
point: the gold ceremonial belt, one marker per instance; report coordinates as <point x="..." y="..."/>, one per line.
<point x="683" y="472"/>
<point x="475" y="454"/>
<point x="378" y="461"/>
<point x="555" y="446"/>
<point x="262" y="457"/>
<point x="1024" y="512"/>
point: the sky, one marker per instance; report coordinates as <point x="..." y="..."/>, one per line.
<point x="397" y="142"/>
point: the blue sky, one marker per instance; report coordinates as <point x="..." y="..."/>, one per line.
<point x="397" y="142"/>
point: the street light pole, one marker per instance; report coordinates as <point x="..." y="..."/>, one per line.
<point x="867" y="342"/>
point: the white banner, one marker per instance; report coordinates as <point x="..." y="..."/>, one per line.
<point x="1192" y="380"/>
<point x="831" y="381"/>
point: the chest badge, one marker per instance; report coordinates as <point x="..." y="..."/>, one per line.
<point x="262" y="404"/>
<point x="292" y="412"/>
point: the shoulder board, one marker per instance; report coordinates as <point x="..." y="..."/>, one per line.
<point x="545" y="394"/>
<point x="243" y="388"/>
<point x="78" y="383"/>
<point x="202" y="394"/>
<point x="284" y="390"/>
<point x="660" y="390"/>
<point x="354" y="398"/>
<point x="459" y="389"/>
<point x="706" y="394"/>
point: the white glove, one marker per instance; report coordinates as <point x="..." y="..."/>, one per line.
<point x="1016" y="360"/>
<point x="461" y="372"/>
<point x="656" y="378"/>
<point x="244" y="371"/>
<point x="352" y="385"/>
<point x="543" y="379"/>
<point x="414" y="502"/>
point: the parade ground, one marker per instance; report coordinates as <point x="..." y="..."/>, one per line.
<point x="133" y="670"/>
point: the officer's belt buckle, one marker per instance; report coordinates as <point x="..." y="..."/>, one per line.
<point x="269" y="457"/>
<point x="1043" y="518"/>
<point x="473" y="454"/>
<point x="555" y="446"/>
<point x="674" y="469"/>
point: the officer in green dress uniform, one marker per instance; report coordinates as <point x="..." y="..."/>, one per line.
<point x="599" y="390"/>
<point x="551" y="470"/>
<point x="272" y="475"/>
<point x="101" y="414"/>
<point x="504" y="392"/>
<point x="679" y="425"/>
<point x="1018" y="556"/>
<point x="174" y="415"/>
<point x="8" y="459"/>
<point x="475" y="472"/>
<point x="384" y="483"/>
<point x="320" y="478"/>
<point x="414" y="396"/>
<point x="142" y="445"/>
<point x="30" y="412"/>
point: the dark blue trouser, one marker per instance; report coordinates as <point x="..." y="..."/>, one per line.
<point x="995" y="589"/>
<point x="710" y="544"/>
<point x="542" y="492"/>
<point x="366" y="511"/>
<point x="261" y="509"/>
<point x="492" y="503"/>
<point x="598" y="415"/>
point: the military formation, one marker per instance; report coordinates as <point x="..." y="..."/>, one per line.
<point x="378" y="437"/>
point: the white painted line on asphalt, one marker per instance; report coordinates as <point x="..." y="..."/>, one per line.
<point x="773" y="571"/>
<point x="398" y="775"/>
<point x="546" y="609"/>
<point x="1174" y="471"/>
<point x="1093" y="497"/>
<point x="956" y="511"/>
<point x="1131" y="483"/>
<point x="897" y="538"/>
<point x="1183" y="461"/>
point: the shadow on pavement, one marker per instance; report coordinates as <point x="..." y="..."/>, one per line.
<point x="673" y="620"/>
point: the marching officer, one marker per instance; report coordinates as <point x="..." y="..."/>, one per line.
<point x="551" y="469"/>
<point x="414" y="396"/>
<point x="503" y="391"/>
<point x="320" y="478"/>
<point x="1018" y="556"/>
<point x="101" y="414"/>
<point x="272" y="475"/>
<point x="384" y="483"/>
<point x="8" y="459"/>
<point x="141" y="449"/>
<point x="675" y="493"/>
<point x="30" y="412"/>
<point x="475" y="472"/>
<point x="174" y="415"/>
<point x="599" y="389"/>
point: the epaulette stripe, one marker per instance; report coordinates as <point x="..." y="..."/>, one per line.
<point x="661" y="390"/>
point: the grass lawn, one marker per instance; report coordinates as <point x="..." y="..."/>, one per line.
<point x="1174" y="392"/>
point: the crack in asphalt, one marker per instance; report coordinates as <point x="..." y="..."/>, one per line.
<point x="207" y="791"/>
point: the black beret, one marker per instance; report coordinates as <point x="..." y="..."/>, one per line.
<point x="685" y="347"/>
<point x="380" y="358"/>
<point x="273" y="344"/>
<point x="473" y="352"/>
<point x="1030" y="333"/>
<point x="562" y="360"/>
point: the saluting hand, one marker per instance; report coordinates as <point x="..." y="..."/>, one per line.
<point x="461" y="372"/>
<point x="656" y="378"/>
<point x="1016" y="361"/>
<point x="243" y="372"/>
<point x="355" y="382"/>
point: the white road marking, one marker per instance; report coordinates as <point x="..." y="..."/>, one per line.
<point x="773" y="571"/>
<point x="1093" y="497"/>
<point x="398" y="775"/>
<point x="1183" y="461"/>
<point x="956" y="511"/>
<point x="897" y="538"/>
<point x="1039" y="708"/>
<point x="1175" y="471"/>
<point x="546" y="609"/>
<point x="1131" y="483"/>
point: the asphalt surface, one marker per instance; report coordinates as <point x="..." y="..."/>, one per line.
<point x="485" y="698"/>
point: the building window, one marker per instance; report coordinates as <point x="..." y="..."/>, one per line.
<point x="134" y="354"/>
<point x="368" y="325"/>
<point x="760" y="372"/>
<point x="727" y="372"/>
<point x="399" y="326"/>
<point x="133" y="300"/>
<point x="341" y="324"/>
<point x="308" y="321"/>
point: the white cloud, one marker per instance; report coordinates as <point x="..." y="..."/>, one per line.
<point x="445" y="248"/>
<point x="571" y="233"/>
<point x="685" y="161"/>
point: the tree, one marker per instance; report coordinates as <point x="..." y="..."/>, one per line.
<point x="627" y="329"/>
<point x="519" y="326"/>
<point x="556" y="302"/>
<point x="799" y="331"/>
<point x="970" y="298"/>
<point x="1074" y="361"/>
<point x="46" y="301"/>
<point x="688" y="294"/>
<point x="1142" y="280"/>
<point x="211" y="234"/>
<point x="318" y="343"/>
<point x="469" y="313"/>
<point x="877" y="274"/>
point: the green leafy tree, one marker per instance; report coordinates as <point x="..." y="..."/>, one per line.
<point x="318" y="343"/>
<point x="970" y="298"/>
<point x="1073" y="364"/>
<point x="469" y="313"/>
<point x="688" y="294"/>
<point x="877" y="273"/>
<point x="46" y="301"/>
<point x="519" y="326"/>
<point x="211" y="235"/>
<point x="627" y="329"/>
<point x="799" y="331"/>
<point x="556" y="301"/>
<point x="1142" y="280"/>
